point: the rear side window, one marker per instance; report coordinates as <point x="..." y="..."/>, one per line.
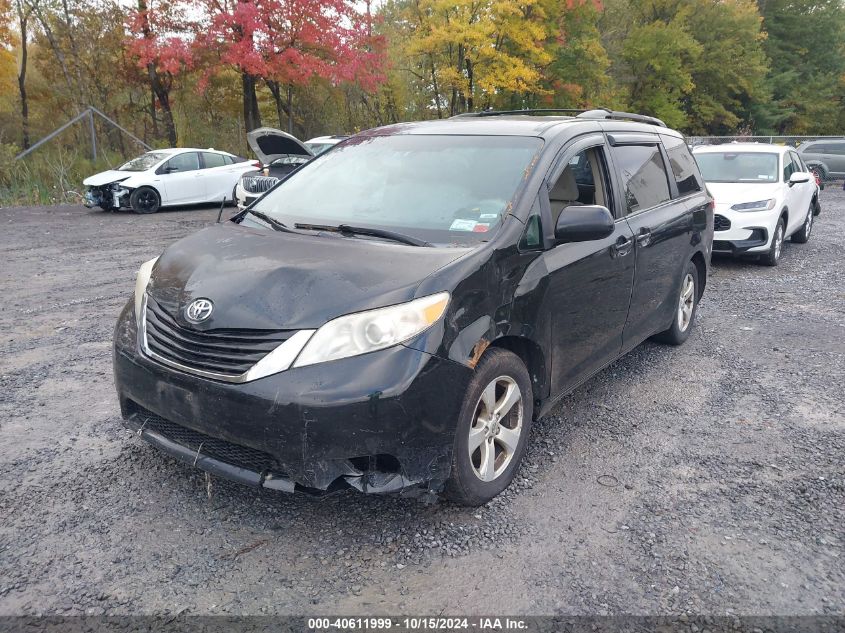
<point x="683" y="165"/>
<point x="815" y="148"/>
<point x="836" y="148"/>
<point x="643" y="173"/>
<point x="212" y="159"/>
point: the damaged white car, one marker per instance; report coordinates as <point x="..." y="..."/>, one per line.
<point x="167" y="177"/>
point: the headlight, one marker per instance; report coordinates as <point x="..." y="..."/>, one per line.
<point x="369" y="331"/>
<point x="759" y="205"/>
<point x="141" y="282"/>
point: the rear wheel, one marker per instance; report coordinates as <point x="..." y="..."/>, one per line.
<point x="145" y="200"/>
<point x="773" y="256"/>
<point x="492" y="430"/>
<point x="685" y="310"/>
<point x="819" y="173"/>
<point x="803" y="234"/>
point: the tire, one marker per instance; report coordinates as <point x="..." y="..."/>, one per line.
<point x="772" y="257"/>
<point x="145" y="200"/>
<point x="686" y="310"/>
<point x="819" y="171"/>
<point x="817" y="206"/>
<point x="475" y="480"/>
<point x="234" y="200"/>
<point x="802" y="235"/>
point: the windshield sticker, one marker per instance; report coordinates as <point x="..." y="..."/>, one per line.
<point x="481" y="228"/>
<point x="463" y="225"/>
<point x="489" y="216"/>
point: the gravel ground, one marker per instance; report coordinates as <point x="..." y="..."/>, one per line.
<point x="703" y="479"/>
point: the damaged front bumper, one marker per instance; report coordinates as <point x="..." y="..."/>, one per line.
<point x="112" y="196"/>
<point x="383" y="422"/>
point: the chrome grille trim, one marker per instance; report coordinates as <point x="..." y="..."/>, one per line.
<point x="274" y="360"/>
<point x="258" y="184"/>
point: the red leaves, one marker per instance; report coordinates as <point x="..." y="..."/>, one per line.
<point x="287" y="41"/>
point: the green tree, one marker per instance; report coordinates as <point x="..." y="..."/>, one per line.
<point x="806" y="46"/>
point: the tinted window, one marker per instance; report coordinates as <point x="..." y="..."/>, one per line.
<point x="682" y="164"/>
<point x="797" y="162"/>
<point x="212" y="160"/>
<point x="184" y="162"/>
<point x="443" y="189"/>
<point x="643" y="176"/>
<point x="738" y="166"/>
<point x="815" y="148"/>
<point x="836" y="148"/>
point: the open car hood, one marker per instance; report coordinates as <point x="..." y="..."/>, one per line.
<point x="270" y="144"/>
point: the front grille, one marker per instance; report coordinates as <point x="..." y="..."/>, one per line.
<point x="258" y="184"/>
<point x="721" y="223"/>
<point x="228" y="352"/>
<point x="222" y="450"/>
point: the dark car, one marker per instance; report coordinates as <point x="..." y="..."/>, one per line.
<point x="394" y="315"/>
<point x="825" y="158"/>
<point x="280" y="154"/>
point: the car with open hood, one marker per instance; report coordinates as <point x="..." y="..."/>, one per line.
<point x="394" y="315"/>
<point x="279" y="154"/>
<point x="764" y="195"/>
<point x="167" y="177"/>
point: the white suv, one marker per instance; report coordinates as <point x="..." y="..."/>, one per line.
<point x="764" y="194"/>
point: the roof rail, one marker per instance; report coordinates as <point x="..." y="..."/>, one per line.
<point x="604" y="113"/>
<point x="532" y="111"/>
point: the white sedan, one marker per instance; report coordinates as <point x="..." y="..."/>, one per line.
<point x="764" y="194"/>
<point x="167" y="177"/>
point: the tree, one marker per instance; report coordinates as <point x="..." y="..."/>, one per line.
<point x="289" y="42"/>
<point x="806" y="46"/>
<point x="163" y="57"/>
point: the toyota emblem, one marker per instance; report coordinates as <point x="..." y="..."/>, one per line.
<point x="199" y="310"/>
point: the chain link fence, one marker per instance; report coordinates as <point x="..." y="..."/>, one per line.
<point x="824" y="155"/>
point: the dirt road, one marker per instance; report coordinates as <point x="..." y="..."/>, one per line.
<point x="703" y="479"/>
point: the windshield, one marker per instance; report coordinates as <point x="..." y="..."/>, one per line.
<point x="738" y="166"/>
<point x="143" y="162"/>
<point x="441" y="189"/>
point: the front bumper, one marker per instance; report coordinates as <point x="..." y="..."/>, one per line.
<point x="381" y="422"/>
<point x="740" y="232"/>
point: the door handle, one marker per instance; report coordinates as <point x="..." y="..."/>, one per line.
<point x="644" y="237"/>
<point x="622" y="246"/>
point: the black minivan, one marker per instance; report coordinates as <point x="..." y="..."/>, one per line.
<point x="393" y="315"/>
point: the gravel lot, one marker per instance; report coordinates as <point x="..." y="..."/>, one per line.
<point x="704" y="479"/>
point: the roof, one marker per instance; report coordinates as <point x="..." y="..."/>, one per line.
<point x="545" y="127"/>
<point x="762" y="148"/>
<point x="174" y="150"/>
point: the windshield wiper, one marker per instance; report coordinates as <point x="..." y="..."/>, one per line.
<point x="279" y="226"/>
<point x="345" y="229"/>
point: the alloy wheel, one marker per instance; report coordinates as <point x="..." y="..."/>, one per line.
<point x="496" y="429"/>
<point x="686" y="303"/>
<point x="147" y="200"/>
<point x="778" y="241"/>
<point x="808" y="223"/>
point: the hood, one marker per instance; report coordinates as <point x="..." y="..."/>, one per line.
<point x="105" y="177"/>
<point x="270" y="144"/>
<point x="729" y="193"/>
<point x="260" y="279"/>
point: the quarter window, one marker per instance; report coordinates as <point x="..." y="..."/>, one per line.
<point x="788" y="167"/>
<point x="644" y="178"/>
<point x="838" y="149"/>
<point x="683" y="165"/>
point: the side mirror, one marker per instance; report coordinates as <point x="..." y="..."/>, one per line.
<point x="798" y="177"/>
<point x="583" y="223"/>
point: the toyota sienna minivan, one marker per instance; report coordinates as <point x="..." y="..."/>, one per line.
<point x="394" y="315"/>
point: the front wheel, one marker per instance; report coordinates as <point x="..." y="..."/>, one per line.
<point x="772" y="257"/>
<point x="492" y="430"/>
<point x="802" y="235"/>
<point x="145" y="200"/>
<point x="686" y="309"/>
